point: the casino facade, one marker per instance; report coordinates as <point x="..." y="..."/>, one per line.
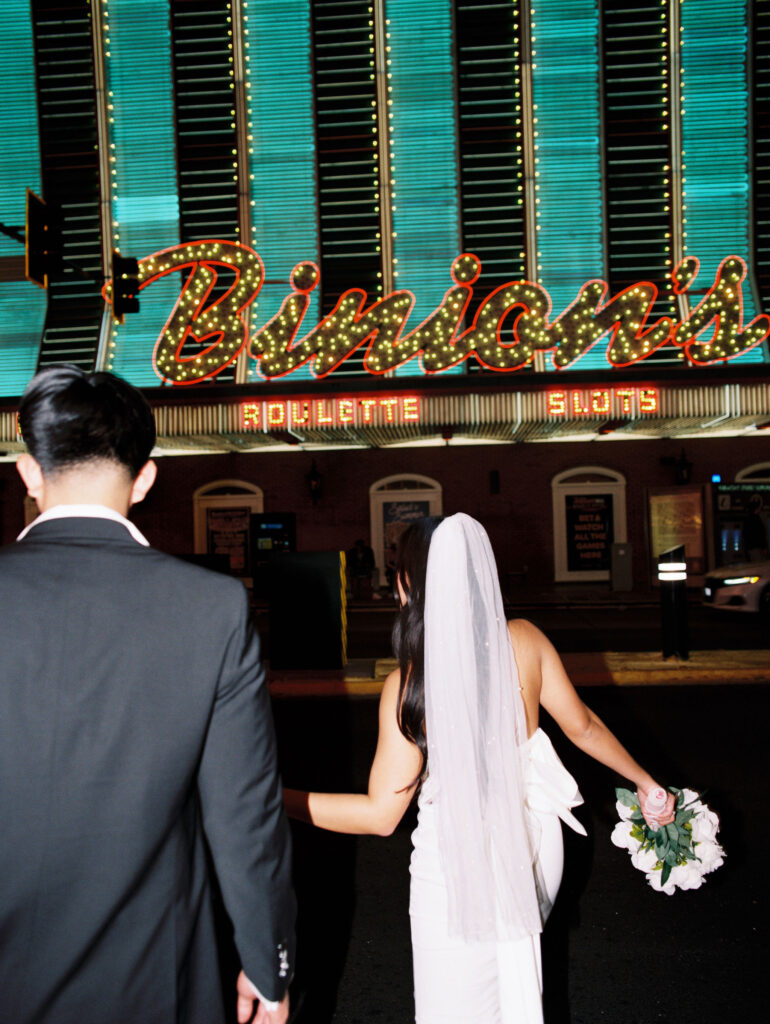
<point x="509" y="258"/>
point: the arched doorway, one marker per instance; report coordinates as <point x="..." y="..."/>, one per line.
<point x="222" y="523"/>
<point x="395" y="502"/>
<point x="758" y="473"/>
<point x="742" y="516"/>
<point x="589" y="515"/>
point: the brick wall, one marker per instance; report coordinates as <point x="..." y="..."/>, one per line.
<point x="518" y="518"/>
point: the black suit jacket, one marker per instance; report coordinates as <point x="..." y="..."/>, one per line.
<point x="134" y="719"/>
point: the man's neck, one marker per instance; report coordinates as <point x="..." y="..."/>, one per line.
<point x="100" y="484"/>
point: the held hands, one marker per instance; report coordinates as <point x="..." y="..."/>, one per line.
<point x="247" y="1000"/>
<point x="658" y="818"/>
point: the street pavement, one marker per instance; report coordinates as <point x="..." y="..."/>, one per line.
<point x="615" y="951"/>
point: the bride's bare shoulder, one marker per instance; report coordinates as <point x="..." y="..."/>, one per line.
<point x="526" y="637"/>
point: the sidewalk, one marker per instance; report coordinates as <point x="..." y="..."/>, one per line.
<point x="364" y="677"/>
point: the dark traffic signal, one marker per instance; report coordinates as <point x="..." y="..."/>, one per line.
<point x="42" y="240"/>
<point x="125" y="285"/>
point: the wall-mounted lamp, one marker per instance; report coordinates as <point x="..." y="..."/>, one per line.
<point x="682" y="467"/>
<point x="315" y="483"/>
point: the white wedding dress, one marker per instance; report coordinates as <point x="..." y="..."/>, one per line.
<point x="487" y="982"/>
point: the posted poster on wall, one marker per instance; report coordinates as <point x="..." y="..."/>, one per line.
<point x="227" y="533"/>
<point x="676" y="517"/>
<point x="589" y="532"/>
<point x="396" y="516"/>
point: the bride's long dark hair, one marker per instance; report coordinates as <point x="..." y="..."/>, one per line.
<point x="409" y="630"/>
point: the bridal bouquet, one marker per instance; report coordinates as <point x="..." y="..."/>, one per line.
<point x="675" y="856"/>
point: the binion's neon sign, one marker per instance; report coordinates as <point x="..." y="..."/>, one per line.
<point x="510" y="326"/>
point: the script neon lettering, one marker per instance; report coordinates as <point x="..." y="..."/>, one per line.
<point x="203" y="335"/>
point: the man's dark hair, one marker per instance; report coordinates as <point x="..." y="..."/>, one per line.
<point x="68" y="417"/>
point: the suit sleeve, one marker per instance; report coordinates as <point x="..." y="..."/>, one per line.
<point x="242" y="808"/>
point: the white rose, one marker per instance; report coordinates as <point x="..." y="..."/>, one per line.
<point x="686" y="876"/>
<point x="644" y="860"/>
<point x="655" y="878"/>
<point x="710" y="855"/>
<point x="624" y="812"/>
<point x="705" y="826"/>
<point x="690" y="800"/>
<point x="621" y="836"/>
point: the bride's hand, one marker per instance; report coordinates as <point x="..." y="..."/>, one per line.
<point x="664" y="817"/>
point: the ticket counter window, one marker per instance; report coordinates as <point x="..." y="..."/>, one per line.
<point x="589" y="515"/>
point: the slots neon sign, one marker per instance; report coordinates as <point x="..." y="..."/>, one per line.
<point x="206" y="331"/>
<point x="603" y="402"/>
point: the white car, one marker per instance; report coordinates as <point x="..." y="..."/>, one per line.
<point x="739" y="588"/>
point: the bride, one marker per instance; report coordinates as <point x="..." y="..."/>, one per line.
<point x="458" y="724"/>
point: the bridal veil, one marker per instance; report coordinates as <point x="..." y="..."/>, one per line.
<point x="475" y="725"/>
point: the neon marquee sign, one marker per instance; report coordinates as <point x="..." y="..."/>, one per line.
<point x="603" y="402"/>
<point x="510" y="326"/>
<point x="279" y="414"/>
<point x="399" y="410"/>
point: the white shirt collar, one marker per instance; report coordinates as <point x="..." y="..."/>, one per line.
<point x="86" y="512"/>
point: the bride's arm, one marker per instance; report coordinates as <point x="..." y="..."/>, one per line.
<point x="584" y="727"/>
<point x="397" y="762"/>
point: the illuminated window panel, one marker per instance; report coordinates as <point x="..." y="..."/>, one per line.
<point x="22" y="305"/>
<point x="282" y="154"/>
<point x="715" y="146"/>
<point x="70" y="178"/>
<point x="568" y="167"/>
<point x="490" y="138"/>
<point x="347" y="155"/>
<point x="201" y="33"/>
<point x="760" y="37"/>
<point x="423" y="150"/>
<point x="637" y="150"/>
<point x="145" y="195"/>
<point x="202" y="51"/>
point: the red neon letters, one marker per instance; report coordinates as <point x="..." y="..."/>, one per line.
<point x="603" y="402"/>
<point x="310" y="413"/>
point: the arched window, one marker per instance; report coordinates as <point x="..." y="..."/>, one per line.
<point x="758" y="473"/>
<point x="589" y="515"/>
<point x="395" y="502"/>
<point x="222" y="511"/>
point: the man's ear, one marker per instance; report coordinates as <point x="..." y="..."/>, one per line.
<point x="32" y="475"/>
<point x="144" y="481"/>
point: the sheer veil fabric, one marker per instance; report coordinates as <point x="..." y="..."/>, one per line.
<point x="475" y="725"/>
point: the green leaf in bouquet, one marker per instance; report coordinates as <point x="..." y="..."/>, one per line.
<point x="626" y="797"/>
<point x="638" y="834"/>
<point x="661" y="844"/>
<point x="671" y="858"/>
<point x="673" y="834"/>
<point x="684" y="816"/>
<point x="666" y="873"/>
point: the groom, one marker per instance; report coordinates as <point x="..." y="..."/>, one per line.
<point x="135" y="732"/>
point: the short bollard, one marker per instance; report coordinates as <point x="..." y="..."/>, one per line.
<point x="672" y="574"/>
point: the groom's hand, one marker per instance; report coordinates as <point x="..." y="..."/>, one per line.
<point x="247" y="999"/>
